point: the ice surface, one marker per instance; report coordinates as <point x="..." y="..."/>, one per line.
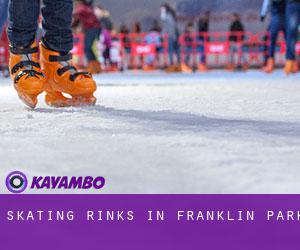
<point x="156" y="133"/>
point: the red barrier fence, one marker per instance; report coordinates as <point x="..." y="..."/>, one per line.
<point x="216" y="49"/>
<point x="4" y="54"/>
<point x="151" y="50"/>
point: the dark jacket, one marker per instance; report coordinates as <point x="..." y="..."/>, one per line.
<point x="236" y="27"/>
<point x="84" y="14"/>
<point x="203" y="25"/>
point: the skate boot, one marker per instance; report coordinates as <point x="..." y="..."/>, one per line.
<point x="202" y="68"/>
<point x="186" y="68"/>
<point x="94" y="67"/>
<point x="148" y="68"/>
<point x="270" y="66"/>
<point x="171" y="69"/>
<point x="289" y="67"/>
<point x="63" y="78"/>
<point x="245" y="67"/>
<point x="230" y="67"/>
<point x="26" y="74"/>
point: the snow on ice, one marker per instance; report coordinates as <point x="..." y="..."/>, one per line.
<point x="157" y="133"/>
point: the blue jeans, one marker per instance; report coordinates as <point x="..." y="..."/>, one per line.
<point x="173" y="48"/>
<point x="188" y="52"/>
<point x="292" y="23"/>
<point x="90" y="36"/>
<point x="3" y="13"/>
<point x="236" y="51"/>
<point x="57" y="19"/>
<point x="277" y="24"/>
<point x="201" y="49"/>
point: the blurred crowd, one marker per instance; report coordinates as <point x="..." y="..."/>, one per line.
<point x="178" y="47"/>
<point x="102" y="46"/>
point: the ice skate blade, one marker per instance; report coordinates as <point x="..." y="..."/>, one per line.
<point x="29" y="101"/>
<point x="59" y="101"/>
<point x="84" y="101"/>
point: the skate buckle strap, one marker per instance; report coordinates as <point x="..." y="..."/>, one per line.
<point x="23" y="64"/>
<point x="29" y="73"/>
<point x="61" y="71"/>
<point x="60" y="58"/>
<point x="23" y="51"/>
<point x="75" y="75"/>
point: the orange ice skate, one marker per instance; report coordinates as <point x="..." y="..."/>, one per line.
<point x="186" y="68"/>
<point x="270" y="66"/>
<point x="26" y="74"/>
<point x="94" y="67"/>
<point x="202" y="67"/>
<point x="290" y="67"/>
<point x="63" y="78"/>
<point x="171" y="69"/>
<point x="230" y="67"/>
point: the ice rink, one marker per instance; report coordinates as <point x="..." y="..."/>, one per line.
<point x="156" y="133"/>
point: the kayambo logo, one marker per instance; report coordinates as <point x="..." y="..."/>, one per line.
<point x="16" y="182"/>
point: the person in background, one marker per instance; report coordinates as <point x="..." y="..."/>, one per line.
<point x="156" y="27"/>
<point x="124" y="32"/>
<point x="104" y="18"/>
<point x="265" y="47"/>
<point x="136" y="37"/>
<point x="292" y="14"/>
<point x="84" y="15"/>
<point x="153" y="38"/>
<point x="126" y="45"/>
<point x="115" y="52"/>
<point x="203" y="28"/>
<point x="105" y="42"/>
<point x="170" y="28"/>
<point x="137" y="30"/>
<point x="236" y="38"/>
<point x="277" y="24"/>
<point x="188" y="47"/>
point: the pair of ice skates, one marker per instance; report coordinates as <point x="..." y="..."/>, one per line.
<point x="51" y="72"/>
<point x="291" y="67"/>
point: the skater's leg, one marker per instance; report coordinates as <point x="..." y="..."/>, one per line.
<point x="292" y="23"/>
<point x="89" y="38"/>
<point x="276" y="25"/>
<point x="233" y="51"/>
<point x="171" y="50"/>
<point x="187" y="56"/>
<point x="23" y="22"/>
<point x="202" y="55"/>
<point x="3" y="13"/>
<point x="61" y="76"/>
<point x="202" y="59"/>
<point x="185" y="66"/>
<point x="57" y="21"/>
<point x="24" y="64"/>
<point x="178" y="52"/>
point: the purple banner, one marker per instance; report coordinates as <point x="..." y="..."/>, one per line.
<point x="149" y="222"/>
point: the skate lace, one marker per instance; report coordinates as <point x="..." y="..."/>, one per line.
<point x="64" y="61"/>
<point x="27" y="64"/>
